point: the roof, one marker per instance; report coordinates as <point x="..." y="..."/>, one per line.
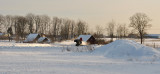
<point x="31" y="37"/>
<point x="42" y="38"/>
<point x="152" y="35"/>
<point x="84" y="37"/>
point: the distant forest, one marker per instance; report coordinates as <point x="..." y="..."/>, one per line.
<point x="56" y="27"/>
<point x="63" y="28"/>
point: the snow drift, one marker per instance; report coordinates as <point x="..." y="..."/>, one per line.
<point x="127" y="49"/>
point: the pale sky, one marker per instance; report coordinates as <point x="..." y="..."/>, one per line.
<point x="94" y="12"/>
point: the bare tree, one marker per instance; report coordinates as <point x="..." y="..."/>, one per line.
<point x="81" y="27"/>
<point x="73" y="26"/>
<point x="9" y="21"/>
<point x="110" y="29"/>
<point x="119" y="31"/>
<point x="30" y="21"/>
<point x="47" y="21"/>
<point x="44" y="22"/>
<point x="15" y="19"/>
<point x="125" y="30"/>
<point x="10" y="32"/>
<point x="99" y="30"/>
<point x="140" y="22"/>
<point x="66" y="28"/>
<point x="21" y="25"/>
<point x="37" y="23"/>
<point x="56" y="26"/>
<point x="1" y="22"/>
<point x="122" y="30"/>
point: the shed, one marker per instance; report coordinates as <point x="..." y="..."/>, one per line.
<point x="87" y="38"/>
<point x="32" y="38"/>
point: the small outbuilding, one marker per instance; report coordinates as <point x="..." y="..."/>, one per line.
<point x="4" y="36"/>
<point x="89" y="39"/>
<point x="32" y="38"/>
<point x="1" y="35"/>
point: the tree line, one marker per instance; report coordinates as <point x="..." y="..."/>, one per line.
<point x="63" y="28"/>
<point x="140" y="22"/>
<point x="58" y="28"/>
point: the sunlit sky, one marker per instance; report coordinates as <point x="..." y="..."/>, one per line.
<point x="94" y="12"/>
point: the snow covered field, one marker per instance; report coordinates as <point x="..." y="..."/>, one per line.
<point x="23" y="58"/>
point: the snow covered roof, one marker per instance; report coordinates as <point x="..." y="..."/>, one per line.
<point x="31" y="37"/>
<point x="84" y="37"/>
<point x="42" y="38"/>
<point x="153" y="35"/>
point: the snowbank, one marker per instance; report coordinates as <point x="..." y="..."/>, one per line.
<point x="127" y="49"/>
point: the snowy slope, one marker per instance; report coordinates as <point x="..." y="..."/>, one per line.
<point x="34" y="58"/>
<point x="127" y="49"/>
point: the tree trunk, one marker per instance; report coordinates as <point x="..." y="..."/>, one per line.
<point x="141" y="35"/>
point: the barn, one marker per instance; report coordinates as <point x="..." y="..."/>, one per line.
<point x="32" y="38"/>
<point x="89" y="39"/>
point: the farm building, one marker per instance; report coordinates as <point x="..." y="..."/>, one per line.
<point x="43" y="40"/>
<point x="1" y="35"/>
<point x="152" y="35"/>
<point x="89" y="39"/>
<point x="32" y="38"/>
<point x="4" y="36"/>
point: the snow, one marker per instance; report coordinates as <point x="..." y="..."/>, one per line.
<point x="35" y="58"/>
<point x="128" y="49"/>
<point x="68" y="42"/>
<point x="153" y="35"/>
<point x="84" y="37"/>
<point x="42" y="38"/>
<point x="31" y="37"/>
